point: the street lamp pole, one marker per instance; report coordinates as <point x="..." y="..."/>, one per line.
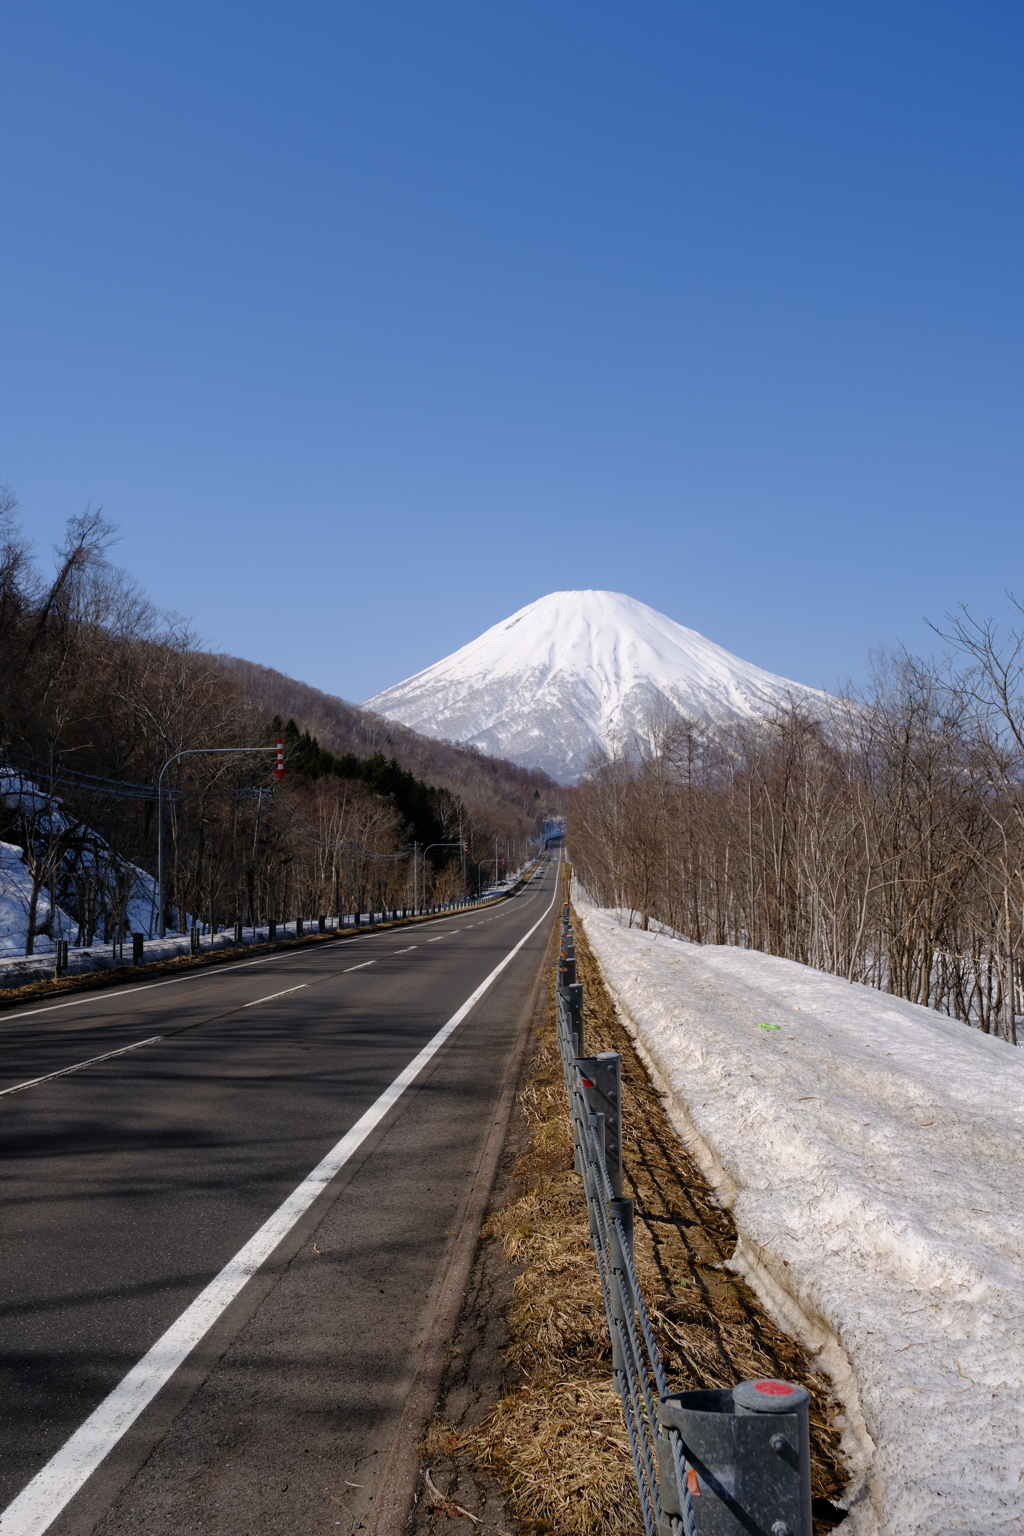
<point x="423" y="866"/>
<point x="188" y="752"/>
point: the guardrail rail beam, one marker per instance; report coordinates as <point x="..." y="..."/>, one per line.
<point x="706" y="1463"/>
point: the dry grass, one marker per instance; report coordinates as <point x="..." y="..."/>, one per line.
<point x="556" y="1441"/>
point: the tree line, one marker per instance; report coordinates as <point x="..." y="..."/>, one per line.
<point x="880" y="838"/>
<point x="99" y="689"/>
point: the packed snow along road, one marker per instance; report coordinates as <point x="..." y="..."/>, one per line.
<point x="872" y="1155"/>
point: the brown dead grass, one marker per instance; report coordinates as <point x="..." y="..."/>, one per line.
<point x="556" y="1441"/>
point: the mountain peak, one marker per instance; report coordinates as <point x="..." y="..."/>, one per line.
<point x="567" y="676"/>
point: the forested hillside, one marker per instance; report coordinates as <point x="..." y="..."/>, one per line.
<point x="881" y="839"/>
<point x="98" y="690"/>
<point x="495" y="792"/>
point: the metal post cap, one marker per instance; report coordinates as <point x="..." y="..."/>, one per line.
<point x="769" y="1396"/>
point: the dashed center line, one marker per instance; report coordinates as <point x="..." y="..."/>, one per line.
<point x="152" y="1039"/>
<point x="271" y="995"/>
<point x="40" y="1502"/>
<point x="64" y="1071"/>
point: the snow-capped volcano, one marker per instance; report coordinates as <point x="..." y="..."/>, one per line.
<point x="574" y="673"/>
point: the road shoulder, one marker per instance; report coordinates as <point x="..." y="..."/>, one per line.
<point x="461" y="1307"/>
<point x="527" y="1433"/>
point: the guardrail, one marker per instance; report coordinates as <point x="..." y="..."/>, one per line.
<point x="202" y="939"/>
<point x="707" y="1463"/>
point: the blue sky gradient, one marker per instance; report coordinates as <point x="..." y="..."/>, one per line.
<point x="370" y="324"/>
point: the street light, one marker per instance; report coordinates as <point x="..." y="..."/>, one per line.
<point x="188" y="752"/>
<point x="424" y="868"/>
<point x="480" y="864"/>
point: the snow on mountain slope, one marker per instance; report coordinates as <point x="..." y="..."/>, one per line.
<point x="573" y="673"/>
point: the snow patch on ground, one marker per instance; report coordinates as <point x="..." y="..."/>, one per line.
<point x="19" y="970"/>
<point x="872" y="1154"/>
<point x="15" y="891"/>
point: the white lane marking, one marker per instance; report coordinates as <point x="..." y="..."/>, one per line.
<point x="151" y="986"/>
<point x="207" y="975"/>
<point x="41" y="1501"/>
<point x="31" y="1083"/>
<point x="270" y="997"/>
<point x="108" y="1056"/>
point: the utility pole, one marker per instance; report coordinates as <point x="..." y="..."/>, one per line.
<point x="256" y="854"/>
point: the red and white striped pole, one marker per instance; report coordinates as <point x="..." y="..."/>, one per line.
<point x="279" y="770"/>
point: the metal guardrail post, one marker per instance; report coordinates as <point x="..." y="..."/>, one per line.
<point x="712" y="1463"/>
<point x="621" y="1290"/>
<point x="572" y="996"/>
<point x="622" y="1210"/>
<point x="602" y="1083"/>
<point x="747" y="1453"/>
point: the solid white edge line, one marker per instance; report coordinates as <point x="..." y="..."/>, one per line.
<point x="41" y="1500"/>
<point x="49" y="1076"/>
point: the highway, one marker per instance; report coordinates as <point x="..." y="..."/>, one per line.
<point x="222" y="1245"/>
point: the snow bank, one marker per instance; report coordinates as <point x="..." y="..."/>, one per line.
<point x="18" y="970"/>
<point x="15" y="892"/>
<point x="872" y="1155"/>
<point x="46" y="817"/>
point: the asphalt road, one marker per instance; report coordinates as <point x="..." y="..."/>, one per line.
<point x="130" y="1184"/>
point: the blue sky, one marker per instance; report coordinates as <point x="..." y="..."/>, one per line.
<point x="371" y="323"/>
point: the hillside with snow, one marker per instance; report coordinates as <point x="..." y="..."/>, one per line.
<point x="575" y="674"/>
